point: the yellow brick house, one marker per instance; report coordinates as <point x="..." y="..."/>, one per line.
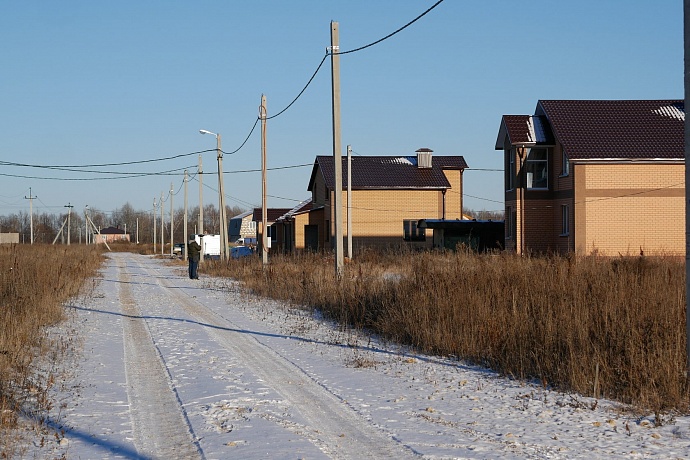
<point x="595" y="176"/>
<point x="390" y="194"/>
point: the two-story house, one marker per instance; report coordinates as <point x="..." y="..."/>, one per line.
<point x="595" y="176"/>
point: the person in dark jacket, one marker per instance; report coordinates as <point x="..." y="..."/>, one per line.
<point x="193" y="255"/>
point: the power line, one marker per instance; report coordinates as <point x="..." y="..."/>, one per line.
<point x="352" y="51"/>
<point x="171" y="172"/>
<point x="393" y="33"/>
<point x="7" y="163"/>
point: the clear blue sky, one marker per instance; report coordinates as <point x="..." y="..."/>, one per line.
<point x="84" y="82"/>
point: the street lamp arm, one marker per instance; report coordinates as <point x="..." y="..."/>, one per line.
<point x="203" y="131"/>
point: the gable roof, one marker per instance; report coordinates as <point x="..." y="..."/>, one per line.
<point x="605" y="129"/>
<point x="243" y="215"/>
<point x="524" y="130"/>
<point x="272" y="214"/>
<point x="302" y="207"/>
<point x="388" y="172"/>
<point x="112" y="231"/>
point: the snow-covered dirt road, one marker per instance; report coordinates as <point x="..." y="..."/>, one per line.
<point x="179" y="368"/>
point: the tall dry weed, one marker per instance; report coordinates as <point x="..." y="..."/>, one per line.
<point x="35" y="281"/>
<point x="614" y="327"/>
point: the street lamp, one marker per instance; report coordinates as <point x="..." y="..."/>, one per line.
<point x="224" y="246"/>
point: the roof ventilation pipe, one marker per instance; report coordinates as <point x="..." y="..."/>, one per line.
<point x="424" y="158"/>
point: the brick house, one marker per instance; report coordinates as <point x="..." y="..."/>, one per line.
<point x="389" y="196"/>
<point x="110" y="235"/>
<point x="272" y="214"/>
<point x="242" y="226"/>
<point x="590" y="176"/>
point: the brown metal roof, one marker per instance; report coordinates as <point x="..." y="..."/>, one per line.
<point x="633" y="129"/>
<point x="389" y="172"/>
<point x="602" y="129"/>
<point x="524" y="130"/>
<point x="272" y="214"/>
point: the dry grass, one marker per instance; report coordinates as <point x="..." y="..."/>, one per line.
<point x="35" y="281"/>
<point x="593" y="325"/>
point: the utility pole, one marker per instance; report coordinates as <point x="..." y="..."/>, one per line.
<point x="69" y="221"/>
<point x="137" y="230"/>
<point x="201" y="201"/>
<point x="172" y="240"/>
<point x="184" y="220"/>
<point x="349" y="202"/>
<point x="162" y="227"/>
<point x="221" y="199"/>
<point x="86" y="225"/>
<point x="31" y="199"/>
<point x="686" y="42"/>
<point x="264" y="210"/>
<point x="155" y="228"/>
<point x="337" y="156"/>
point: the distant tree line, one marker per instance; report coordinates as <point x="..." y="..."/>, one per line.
<point x="139" y="224"/>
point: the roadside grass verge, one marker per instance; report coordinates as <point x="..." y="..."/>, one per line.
<point x="35" y="281"/>
<point x="603" y="327"/>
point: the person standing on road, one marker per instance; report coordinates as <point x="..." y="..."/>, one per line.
<point x="193" y="254"/>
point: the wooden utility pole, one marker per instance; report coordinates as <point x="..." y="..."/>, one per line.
<point x="31" y="199"/>
<point x="264" y="210"/>
<point x="184" y="219"/>
<point x="349" y="202"/>
<point x="337" y="156"/>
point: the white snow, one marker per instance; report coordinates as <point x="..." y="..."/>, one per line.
<point x="178" y="368"/>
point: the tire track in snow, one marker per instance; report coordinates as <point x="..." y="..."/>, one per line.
<point x="160" y="428"/>
<point x="335" y="428"/>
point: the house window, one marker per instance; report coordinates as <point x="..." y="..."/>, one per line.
<point x="252" y="226"/>
<point x="510" y="180"/>
<point x="509" y="222"/>
<point x="328" y="230"/>
<point x="566" y="164"/>
<point x="411" y="232"/>
<point x="537" y="169"/>
<point x="565" y="220"/>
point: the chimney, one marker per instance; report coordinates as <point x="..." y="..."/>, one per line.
<point x="424" y="158"/>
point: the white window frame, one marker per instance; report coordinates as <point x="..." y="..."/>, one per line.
<point x="540" y="166"/>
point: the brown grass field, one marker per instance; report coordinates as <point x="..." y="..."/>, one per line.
<point x="35" y="282"/>
<point x="605" y="327"/>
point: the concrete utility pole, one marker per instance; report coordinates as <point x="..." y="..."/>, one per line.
<point x="69" y="221"/>
<point x="184" y="220"/>
<point x="172" y="239"/>
<point x="86" y="225"/>
<point x="686" y="41"/>
<point x="31" y="199"/>
<point x="264" y="210"/>
<point x="337" y="156"/>
<point x="223" y="212"/>
<point x="223" y="216"/>
<point x="162" y="226"/>
<point x="155" y="228"/>
<point x="349" y="202"/>
<point x="201" y="201"/>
